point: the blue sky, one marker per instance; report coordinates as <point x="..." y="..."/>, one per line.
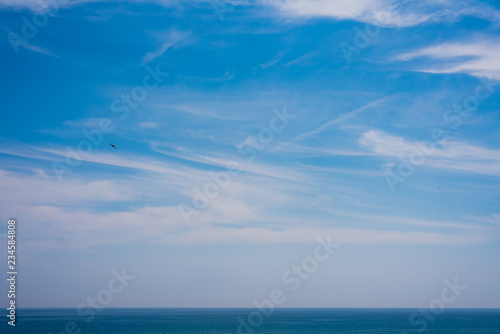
<point x="373" y="122"/>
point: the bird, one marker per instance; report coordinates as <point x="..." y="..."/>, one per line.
<point x="113" y="146"/>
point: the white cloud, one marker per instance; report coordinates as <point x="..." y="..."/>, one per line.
<point x="148" y="125"/>
<point x="32" y="4"/>
<point x="345" y="117"/>
<point x="85" y="230"/>
<point x="51" y="227"/>
<point x="18" y="188"/>
<point x="43" y="5"/>
<point x="451" y="155"/>
<point x="395" y="13"/>
<point x="277" y="58"/>
<point x="384" y="12"/>
<point x="341" y="9"/>
<point x="56" y="219"/>
<point x="39" y="49"/>
<point x="137" y="162"/>
<point x="216" y="235"/>
<point x="493" y="218"/>
<point x="40" y="5"/>
<point x="315" y="151"/>
<point x="475" y="58"/>
<point x="73" y="129"/>
<point x="256" y="207"/>
<point x="218" y="160"/>
<point x="167" y="41"/>
<point x="227" y="76"/>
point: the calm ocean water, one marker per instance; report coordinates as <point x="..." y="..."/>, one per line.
<point x="314" y="321"/>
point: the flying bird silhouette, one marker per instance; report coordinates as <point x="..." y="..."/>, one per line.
<point x="113" y="146"/>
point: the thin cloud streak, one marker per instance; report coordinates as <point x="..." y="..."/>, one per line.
<point x="342" y="236"/>
<point x="450" y="155"/>
<point x="343" y="118"/>
<point x="386" y="13"/>
<point x="479" y="59"/>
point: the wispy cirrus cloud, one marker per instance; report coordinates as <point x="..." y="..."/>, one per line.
<point x="343" y="9"/>
<point x="340" y="235"/>
<point x="36" y="48"/>
<point x="339" y="120"/>
<point x="385" y="12"/>
<point x="40" y="5"/>
<point x="66" y="225"/>
<point x="477" y="58"/>
<point x="167" y="40"/>
<point x="450" y="155"/>
<point x="148" y="125"/>
<point x="39" y="189"/>
<point x="492" y="218"/>
<point x="242" y="204"/>
<point x="31" y="4"/>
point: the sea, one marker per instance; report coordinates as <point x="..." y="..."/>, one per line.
<point x="253" y="320"/>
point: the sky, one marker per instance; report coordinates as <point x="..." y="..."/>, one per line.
<point x="248" y="134"/>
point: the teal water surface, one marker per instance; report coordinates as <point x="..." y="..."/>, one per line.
<point x="239" y="320"/>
